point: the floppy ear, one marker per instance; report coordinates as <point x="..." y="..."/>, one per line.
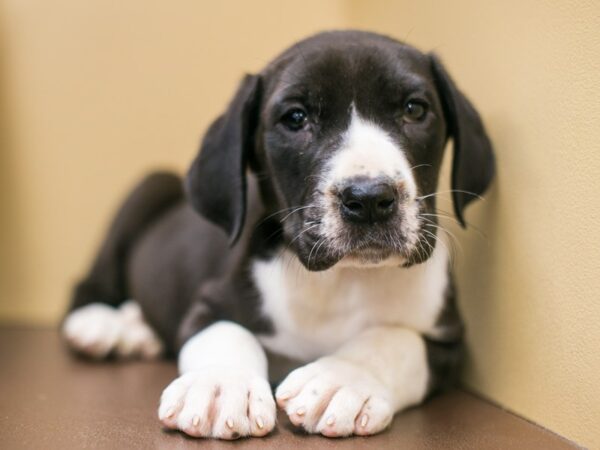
<point x="473" y="162"/>
<point x="216" y="181"/>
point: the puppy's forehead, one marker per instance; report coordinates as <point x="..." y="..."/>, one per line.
<point x="353" y="69"/>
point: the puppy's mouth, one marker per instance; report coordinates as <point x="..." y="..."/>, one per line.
<point x="319" y="250"/>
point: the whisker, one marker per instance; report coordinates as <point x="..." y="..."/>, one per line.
<point x="436" y="239"/>
<point x="421" y="241"/>
<point x="419" y="165"/>
<point x="281" y="211"/>
<point x="274" y="233"/>
<point x="311" y="250"/>
<point x="319" y="247"/>
<point x="449" y="215"/>
<point x="301" y="233"/>
<point x="454" y="240"/>
<point x="450" y="191"/>
<point x="300" y="209"/>
<point x="284" y="210"/>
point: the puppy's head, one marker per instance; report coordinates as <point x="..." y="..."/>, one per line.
<point x="346" y="132"/>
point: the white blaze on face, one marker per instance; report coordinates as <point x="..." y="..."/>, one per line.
<point x="369" y="151"/>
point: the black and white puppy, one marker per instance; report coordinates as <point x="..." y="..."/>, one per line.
<point x="323" y="173"/>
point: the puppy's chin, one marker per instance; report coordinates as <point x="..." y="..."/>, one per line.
<point x="318" y="263"/>
<point x="364" y="258"/>
<point x="372" y="260"/>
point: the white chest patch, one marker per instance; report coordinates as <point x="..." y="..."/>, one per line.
<point x="314" y="313"/>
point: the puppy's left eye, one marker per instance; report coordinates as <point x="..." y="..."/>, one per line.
<point x="295" y="119"/>
<point x="414" y="111"/>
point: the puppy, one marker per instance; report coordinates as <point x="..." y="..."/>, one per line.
<point x="316" y="239"/>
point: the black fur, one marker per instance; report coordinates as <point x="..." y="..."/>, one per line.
<point x="216" y="182"/>
<point x="445" y="351"/>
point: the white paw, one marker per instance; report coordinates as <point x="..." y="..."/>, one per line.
<point x="93" y="330"/>
<point x="218" y="402"/>
<point x="96" y="330"/>
<point x="137" y="338"/>
<point x="335" y="398"/>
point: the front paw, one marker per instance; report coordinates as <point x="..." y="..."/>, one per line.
<point x="218" y="402"/>
<point x="335" y="398"/>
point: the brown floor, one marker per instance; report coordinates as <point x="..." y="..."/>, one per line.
<point x="51" y="400"/>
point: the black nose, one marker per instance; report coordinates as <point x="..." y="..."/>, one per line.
<point x="368" y="201"/>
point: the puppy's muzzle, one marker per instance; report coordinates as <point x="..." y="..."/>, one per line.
<point x="367" y="200"/>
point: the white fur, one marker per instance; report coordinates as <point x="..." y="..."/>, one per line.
<point x="223" y="391"/>
<point x="314" y="313"/>
<point x="223" y="344"/>
<point x="358" y="389"/>
<point x="98" y="329"/>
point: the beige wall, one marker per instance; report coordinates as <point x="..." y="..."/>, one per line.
<point x="531" y="287"/>
<point x="95" y="93"/>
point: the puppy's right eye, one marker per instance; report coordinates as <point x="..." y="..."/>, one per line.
<point x="295" y="119"/>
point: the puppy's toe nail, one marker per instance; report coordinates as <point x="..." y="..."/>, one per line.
<point x="170" y="413"/>
<point x="284" y="396"/>
<point x="364" y="420"/>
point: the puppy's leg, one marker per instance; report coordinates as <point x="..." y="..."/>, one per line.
<point x="106" y="281"/>
<point x="94" y="325"/>
<point x="358" y="389"/>
<point x="223" y="391"/>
